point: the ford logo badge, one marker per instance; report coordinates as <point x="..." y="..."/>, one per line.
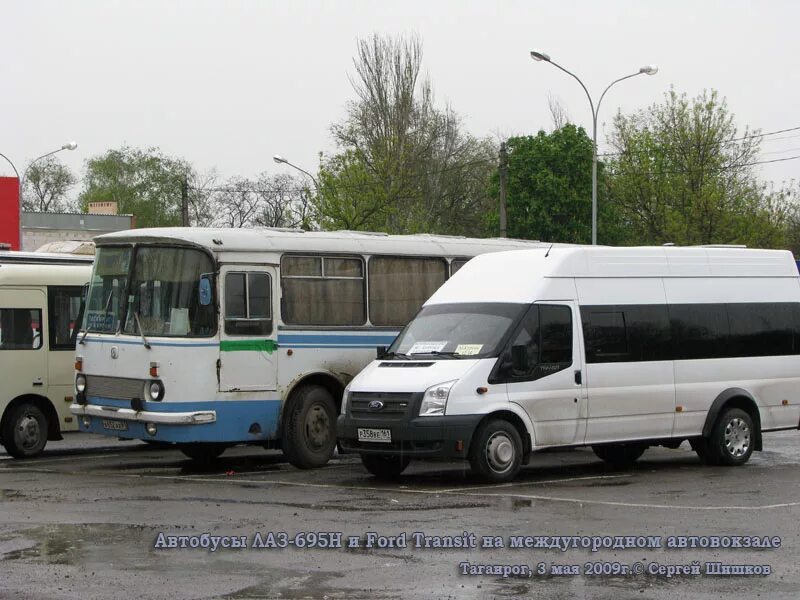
<point x="375" y="405"/>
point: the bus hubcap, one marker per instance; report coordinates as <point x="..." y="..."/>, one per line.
<point x="500" y="452"/>
<point x="737" y="437"/>
<point x="317" y="427"/>
<point x="28" y="433"/>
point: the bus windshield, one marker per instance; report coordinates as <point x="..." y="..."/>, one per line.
<point x="106" y="289"/>
<point x="164" y="294"/>
<point x="470" y="330"/>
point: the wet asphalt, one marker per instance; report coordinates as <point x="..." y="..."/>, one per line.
<point x="83" y="521"/>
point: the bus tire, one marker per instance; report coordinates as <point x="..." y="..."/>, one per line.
<point x="619" y="455"/>
<point x="309" y="427"/>
<point x="496" y="451"/>
<point x="25" y="431"/>
<point x="731" y="440"/>
<point x="203" y="452"/>
<point x="384" y="467"/>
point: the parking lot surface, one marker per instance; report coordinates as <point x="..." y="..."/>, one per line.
<point x="86" y="520"/>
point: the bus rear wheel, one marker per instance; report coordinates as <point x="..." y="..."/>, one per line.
<point x="619" y="455"/>
<point x="203" y="453"/>
<point x="309" y="427"/>
<point x="25" y="431"/>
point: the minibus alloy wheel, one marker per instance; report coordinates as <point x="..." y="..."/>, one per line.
<point x="496" y="451"/>
<point x="385" y="467"/>
<point x="309" y="427"/>
<point x="731" y="440"/>
<point x="25" y="431"/>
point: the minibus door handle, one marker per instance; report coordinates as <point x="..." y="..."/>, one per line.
<point x="578" y="378"/>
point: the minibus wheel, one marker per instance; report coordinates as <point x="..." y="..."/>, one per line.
<point x="25" y="431"/>
<point x="619" y="455"/>
<point x="203" y="453"/>
<point x="496" y="451"/>
<point x="731" y="440"/>
<point x="309" y="427"/>
<point x="385" y="467"/>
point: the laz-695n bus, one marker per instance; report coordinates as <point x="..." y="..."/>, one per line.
<point x="209" y="338"/>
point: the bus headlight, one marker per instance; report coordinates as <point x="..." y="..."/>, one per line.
<point x="154" y="390"/>
<point x="345" y="399"/>
<point x="434" y="402"/>
<point x="80" y="383"/>
<point x="151" y="429"/>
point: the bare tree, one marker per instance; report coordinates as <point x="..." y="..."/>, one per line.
<point x="236" y="204"/>
<point x="202" y="198"/>
<point x="558" y="113"/>
<point x="46" y="186"/>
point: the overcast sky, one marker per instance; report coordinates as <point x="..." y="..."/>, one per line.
<point x="229" y="84"/>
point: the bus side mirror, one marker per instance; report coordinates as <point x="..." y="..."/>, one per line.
<point x="519" y="358"/>
<point x="380" y="352"/>
<point x="205" y="290"/>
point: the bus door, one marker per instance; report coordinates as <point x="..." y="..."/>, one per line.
<point x="248" y="333"/>
<point x="23" y="358"/>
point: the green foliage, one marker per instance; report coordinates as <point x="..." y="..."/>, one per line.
<point x="47" y="182"/>
<point x="403" y="166"/>
<point x="145" y="183"/>
<point x="683" y="174"/>
<point x="549" y="194"/>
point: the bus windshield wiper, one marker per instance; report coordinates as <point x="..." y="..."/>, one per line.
<point x="139" y="327"/>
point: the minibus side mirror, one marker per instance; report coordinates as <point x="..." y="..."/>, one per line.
<point x="205" y="289"/>
<point x="380" y="352"/>
<point x="519" y="358"/>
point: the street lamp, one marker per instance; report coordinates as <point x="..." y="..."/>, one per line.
<point x="282" y="161"/>
<point x="67" y="146"/>
<point x="539" y="56"/>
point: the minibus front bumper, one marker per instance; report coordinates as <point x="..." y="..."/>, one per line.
<point x="440" y="437"/>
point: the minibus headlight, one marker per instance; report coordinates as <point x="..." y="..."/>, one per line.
<point x="434" y="402"/>
<point x="345" y="399"/>
<point x="80" y="383"/>
<point x="154" y="390"/>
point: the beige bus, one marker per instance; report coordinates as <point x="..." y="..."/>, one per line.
<point x="40" y="302"/>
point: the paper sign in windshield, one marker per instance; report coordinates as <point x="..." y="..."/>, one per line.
<point x="427" y="347"/>
<point x="468" y="349"/>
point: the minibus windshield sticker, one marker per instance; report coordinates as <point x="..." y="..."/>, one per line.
<point x="427" y="347"/>
<point x="469" y="349"/>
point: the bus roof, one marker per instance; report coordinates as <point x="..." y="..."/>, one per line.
<point x="40" y="274"/>
<point x="285" y="240"/>
<point x="517" y="276"/>
<point x="49" y="258"/>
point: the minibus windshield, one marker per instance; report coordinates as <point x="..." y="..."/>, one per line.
<point x="470" y="330"/>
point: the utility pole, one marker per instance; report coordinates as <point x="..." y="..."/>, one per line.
<point x="185" y="202"/>
<point x="503" y="189"/>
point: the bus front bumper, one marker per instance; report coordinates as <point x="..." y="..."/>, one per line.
<point x="201" y="417"/>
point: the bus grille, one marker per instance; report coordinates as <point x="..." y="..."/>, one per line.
<point x="121" y="388"/>
<point x="395" y="405"/>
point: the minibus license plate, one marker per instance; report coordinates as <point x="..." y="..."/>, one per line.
<point x="374" y="435"/>
<point x="115" y="425"/>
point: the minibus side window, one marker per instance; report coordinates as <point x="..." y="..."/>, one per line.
<point x="20" y="329"/>
<point x="542" y="345"/>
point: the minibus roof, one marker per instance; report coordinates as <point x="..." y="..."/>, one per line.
<point x="519" y="275"/>
<point x="294" y="240"/>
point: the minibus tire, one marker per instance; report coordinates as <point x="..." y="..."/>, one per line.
<point x="25" y="431"/>
<point x="484" y="459"/>
<point x="732" y="438"/>
<point x="309" y="412"/>
<point x="619" y="455"/>
<point x="203" y="452"/>
<point x="386" y="468"/>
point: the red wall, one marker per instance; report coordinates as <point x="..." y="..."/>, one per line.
<point x="9" y="211"/>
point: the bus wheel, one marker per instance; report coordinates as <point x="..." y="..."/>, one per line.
<point x="309" y="431"/>
<point x="203" y="453"/>
<point x="387" y="468"/>
<point x="496" y="451"/>
<point x="619" y="455"/>
<point x="731" y="440"/>
<point x="25" y="431"/>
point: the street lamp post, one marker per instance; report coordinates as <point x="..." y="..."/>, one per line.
<point x="645" y="70"/>
<point x="282" y="161"/>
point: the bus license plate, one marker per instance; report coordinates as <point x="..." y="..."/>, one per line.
<point x="374" y="435"/>
<point x="115" y="425"/>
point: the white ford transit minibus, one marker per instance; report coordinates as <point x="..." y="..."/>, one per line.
<point x="617" y="348"/>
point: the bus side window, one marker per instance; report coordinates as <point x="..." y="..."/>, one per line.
<point x="20" y="329"/>
<point x="63" y="307"/>
<point x="248" y="304"/>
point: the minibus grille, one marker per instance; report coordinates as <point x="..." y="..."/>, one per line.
<point x="121" y="388"/>
<point x="394" y="405"/>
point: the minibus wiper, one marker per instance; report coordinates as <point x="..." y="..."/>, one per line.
<point x="139" y="327"/>
<point x="398" y="355"/>
<point x="448" y="354"/>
